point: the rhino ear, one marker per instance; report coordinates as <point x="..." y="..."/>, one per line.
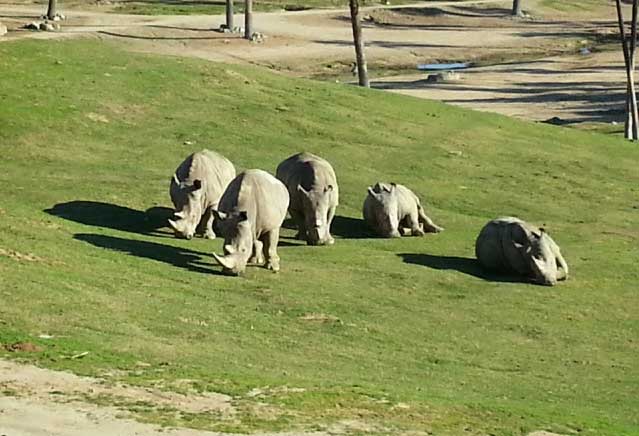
<point x="197" y="184"/>
<point x="301" y="189"/>
<point x="219" y="215"/>
<point x="393" y="185"/>
<point x="372" y="192"/>
<point x="242" y="216"/>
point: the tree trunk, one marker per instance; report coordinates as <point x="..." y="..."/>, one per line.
<point x="248" y="18"/>
<point x="517" y="8"/>
<point x="633" y="94"/>
<point x="229" y="15"/>
<point x="52" y="9"/>
<point x="362" y="70"/>
<point x="632" y="116"/>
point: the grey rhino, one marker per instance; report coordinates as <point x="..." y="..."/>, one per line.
<point x="391" y="210"/>
<point x="196" y="188"/>
<point x="314" y="194"/>
<point x="251" y="212"/>
<point x="509" y="244"/>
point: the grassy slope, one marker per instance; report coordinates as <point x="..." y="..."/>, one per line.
<point x="417" y="324"/>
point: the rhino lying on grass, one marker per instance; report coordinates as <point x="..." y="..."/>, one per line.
<point x="251" y="212"/>
<point x="392" y="210"/>
<point x="196" y="188"/>
<point x="511" y="245"/>
<point x="314" y="194"/>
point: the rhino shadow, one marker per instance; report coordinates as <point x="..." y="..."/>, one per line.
<point x="176" y="256"/>
<point x="342" y="227"/>
<point x="464" y="265"/>
<point x="350" y="228"/>
<point x="112" y="216"/>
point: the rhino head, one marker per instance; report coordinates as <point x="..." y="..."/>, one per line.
<point x="315" y="204"/>
<point x="541" y="257"/>
<point x="188" y="210"/>
<point x="386" y="212"/>
<point x="238" y="241"/>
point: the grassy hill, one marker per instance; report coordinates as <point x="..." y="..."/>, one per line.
<point x="397" y="334"/>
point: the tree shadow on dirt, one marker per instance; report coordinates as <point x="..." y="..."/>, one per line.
<point x="176" y="256"/>
<point x="112" y="216"/>
<point x="464" y="265"/>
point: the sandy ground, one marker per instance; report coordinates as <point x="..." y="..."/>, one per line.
<point x="318" y="42"/>
<point x="41" y="402"/>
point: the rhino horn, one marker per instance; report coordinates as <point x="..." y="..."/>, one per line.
<point x="176" y="180"/>
<point x="227" y="262"/>
<point x="173" y="224"/>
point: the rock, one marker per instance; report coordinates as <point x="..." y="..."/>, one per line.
<point x="556" y="121"/>
<point x="446" y="76"/>
<point x="3" y="29"/>
<point x="238" y="29"/>
<point x="257" y="37"/>
<point x="224" y="29"/>
<point x="56" y="26"/>
<point x="34" y="25"/>
<point x="584" y="51"/>
<point x="47" y="27"/>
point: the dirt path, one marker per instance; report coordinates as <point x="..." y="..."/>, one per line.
<point x="311" y="42"/>
<point x="41" y="402"/>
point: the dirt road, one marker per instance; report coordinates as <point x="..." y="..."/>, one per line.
<point x="573" y="88"/>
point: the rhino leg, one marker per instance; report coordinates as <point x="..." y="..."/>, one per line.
<point x="428" y="224"/>
<point x="329" y="220"/>
<point x="258" y="256"/>
<point x="270" y="249"/>
<point x="301" y="224"/>
<point x="562" y="266"/>
<point x="207" y="219"/>
<point x="411" y="221"/>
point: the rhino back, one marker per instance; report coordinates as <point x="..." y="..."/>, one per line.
<point x="309" y="171"/>
<point x="496" y="247"/>
<point x="213" y="169"/>
<point x="407" y="201"/>
<point x="262" y="196"/>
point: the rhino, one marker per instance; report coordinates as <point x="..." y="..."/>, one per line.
<point x="250" y="213"/>
<point x="392" y="210"/>
<point x="196" y="188"/>
<point x="509" y="244"/>
<point x="314" y="194"/>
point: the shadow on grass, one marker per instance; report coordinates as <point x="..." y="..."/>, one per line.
<point x="112" y="216"/>
<point x="176" y="256"/>
<point x="464" y="265"/>
<point x="344" y="227"/>
<point x="350" y="228"/>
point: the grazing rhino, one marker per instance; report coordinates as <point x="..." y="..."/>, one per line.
<point x="391" y="210"/>
<point x="509" y="244"/>
<point x="314" y="194"/>
<point x="196" y="188"/>
<point x="250" y="213"/>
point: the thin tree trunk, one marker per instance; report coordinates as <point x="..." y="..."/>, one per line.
<point x="517" y="8"/>
<point x="633" y="94"/>
<point x="248" y="18"/>
<point x="362" y="70"/>
<point x="628" y="61"/>
<point x="52" y="9"/>
<point x="229" y="15"/>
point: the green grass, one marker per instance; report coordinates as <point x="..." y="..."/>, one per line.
<point x="415" y="337"/>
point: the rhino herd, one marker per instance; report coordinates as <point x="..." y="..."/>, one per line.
<point x="248" y="210"/>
